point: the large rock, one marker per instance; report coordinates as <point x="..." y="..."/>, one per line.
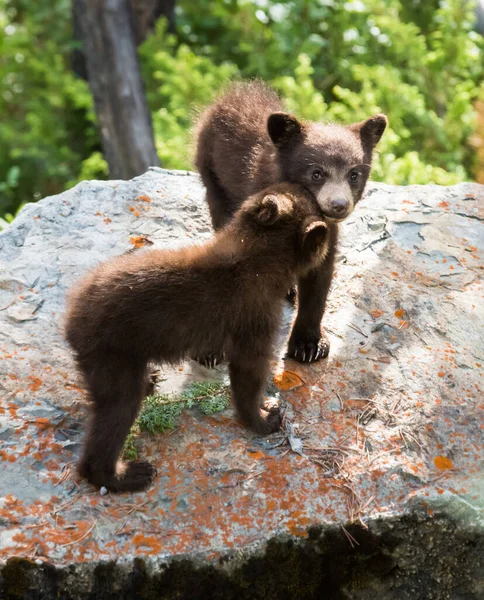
<point x="375" y="490"/>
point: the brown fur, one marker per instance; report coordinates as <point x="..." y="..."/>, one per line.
<point x="225" y="296"/>
<point x="246" y="142"/>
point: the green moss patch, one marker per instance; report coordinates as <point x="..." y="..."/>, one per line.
<point x="161" y="412"/>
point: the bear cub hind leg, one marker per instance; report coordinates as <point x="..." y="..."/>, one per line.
<point x="116" y="388"/>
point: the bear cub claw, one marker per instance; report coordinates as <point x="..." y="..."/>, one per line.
<point x="209" y="361"/>
<point x="308" y="350"/>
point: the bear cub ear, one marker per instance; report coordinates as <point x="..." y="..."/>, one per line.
<point x="314" y="236"/>
<point x="268" y="210"/>
<point x="271" y="208"/>
<point x="282" y="128"/>
<point x="371" y="129"/>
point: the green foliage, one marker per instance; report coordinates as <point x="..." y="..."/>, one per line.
<point x="178" y="83"/>
<point x="211" y="397"/>
<point x="416" y="60"/>
<point x="45" y="111"/>
<point x="160" y="413"/>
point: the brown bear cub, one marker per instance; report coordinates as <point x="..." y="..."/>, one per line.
<point x="246" y="142"/>
<point x="162" y="306"/>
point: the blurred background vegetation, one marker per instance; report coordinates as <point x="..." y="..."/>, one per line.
<point x="419" y="61"/>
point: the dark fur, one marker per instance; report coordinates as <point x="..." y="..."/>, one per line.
<point x="224" y="297"/>
<point x="246" y="142"/>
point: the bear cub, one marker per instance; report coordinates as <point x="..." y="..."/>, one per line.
<point x="165" y="305"/>
<point x="246" y="141"/>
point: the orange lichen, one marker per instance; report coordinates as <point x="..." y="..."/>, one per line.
<point x="143" y="199"/>
<point x="443" y="463"/>
<point x="139" y="241"/>
<point x="7" y="457"/>
<point x="287" y="380"/>
<point x="399" y="313"/>
<point x="36" y="383"/>
<point x="376" y="313"/>
<point x="147" y="541"/>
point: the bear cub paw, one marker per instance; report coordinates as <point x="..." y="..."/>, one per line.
<point x="308" y="348"/>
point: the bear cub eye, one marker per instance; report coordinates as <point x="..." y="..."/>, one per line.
<point x="317" y="175"/>
<point x="354" y="176"/>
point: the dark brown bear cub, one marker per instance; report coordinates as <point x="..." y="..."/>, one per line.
<point x="246" y="142"/>
<point x="163" y="306"/>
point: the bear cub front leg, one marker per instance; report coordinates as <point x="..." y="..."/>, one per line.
<point x="248" y="378"/>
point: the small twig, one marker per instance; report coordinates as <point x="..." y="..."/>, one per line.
<point x="66" y="504"/>
<point x="327" y="449"/>
<point x="33" y="550"/>
<point x="377" y="456"/>
<point x="353" y="326"/>
<point x="334" y="333"/>
<point x="442" y="475"/>
<point x="172" y="432"/>
<point x="81" y="538"/>
<point x="240" y="481"/>
<point x="402" y="435"/>
<point x="132" y="508"/>
<point x="251" y="477"/>
<point x="119" y="530"/>
<point x="367" y="342"/>
<point x="420" y="337"/>
<point x="351" y="539"/>
<point x="412" y="437"/>
<point x="367" y="503"/>
<point x="66" y="471"/>
<point x="340" y="401"/>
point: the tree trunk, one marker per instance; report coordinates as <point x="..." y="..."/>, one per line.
<point x="147" y="12"/>
<point x="480" y="17"/>
<point x="106" y="31"/>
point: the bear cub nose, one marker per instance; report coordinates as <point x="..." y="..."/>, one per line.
<point x="339" y="205"/>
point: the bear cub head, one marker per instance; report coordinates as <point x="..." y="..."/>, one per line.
<point x="333" y="162"/>
<point x="286" y="217"/>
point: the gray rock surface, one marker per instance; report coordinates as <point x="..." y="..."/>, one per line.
<point x="374" y="490"/>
